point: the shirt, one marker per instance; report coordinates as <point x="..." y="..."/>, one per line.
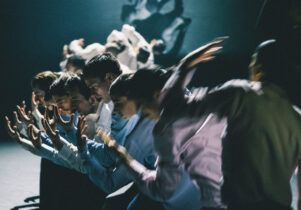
<point x="139" y="144"/>
<point x="262" y="144"/>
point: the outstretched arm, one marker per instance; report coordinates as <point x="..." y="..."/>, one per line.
<point x="184" y="70"/>
<point x="158" y="184"/>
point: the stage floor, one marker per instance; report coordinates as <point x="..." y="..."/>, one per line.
<point x="19" y="175"/>
<point x="20" y="171"/>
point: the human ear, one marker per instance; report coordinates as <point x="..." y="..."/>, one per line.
<point x="110" y="77"/>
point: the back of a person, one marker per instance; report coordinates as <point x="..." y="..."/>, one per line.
<point x="261" y="148"/>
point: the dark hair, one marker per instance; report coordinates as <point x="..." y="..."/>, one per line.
<point x="43" y="80"/>
<point x="99" y="65"/>
<point x="58" y="87"/>
<point x="76" y="82"/>
<point x="276" y="68"/>
<point x="141" y="85"/>
<point x="68" y="82"/>
<point x="77" y="61"/>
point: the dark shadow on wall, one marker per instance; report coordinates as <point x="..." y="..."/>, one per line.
<point x="33" y="33"/>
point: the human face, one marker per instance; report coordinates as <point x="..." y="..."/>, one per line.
<point x="99" y="88"/>
<point x="152" y="108"/>
<point x="80" y="103"/>
<point x="40" y="94"/>
<point x="124" y="107"/>
<point x="63" y="103"/>
<point x="151" y="111"/>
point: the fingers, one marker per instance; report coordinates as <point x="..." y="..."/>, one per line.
<point x="84" y="130"/>
<point x="57" y="134"/>
<point x="81" y="124"/>
<point x="82" y="140"/>
<point x="104" y="136"/>
<point x="47" y="128"/>
<point x="33" y="99"/>
<point x="203" y="49"/>
<point x="22" y="113"/>
<point x="17" y="133"/>
<point x="39" y="135"/>
<point x="71" y="119"/>
<point x="17" y="120"/>
<point x="29" y="132"/>
<point x="56" y="114"/>
<point x="8" y="126"/>
<point x="23" y="105"/>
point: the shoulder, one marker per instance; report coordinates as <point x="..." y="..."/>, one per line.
<point x="239" y="86"/>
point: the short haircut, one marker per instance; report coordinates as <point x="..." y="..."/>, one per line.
<point x="277" y="69"/>
<point x="76" y="82"/>
<point x="43" y="80"/>
<point x="270" y="56"/>
<point x="141" y="85"/>
<point x="68" y="82"/>
<point x="100" y="65"/>
<point x="77" y="61"/>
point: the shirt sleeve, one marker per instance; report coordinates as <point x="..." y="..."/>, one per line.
<point x="159" y="184"/>
<point x="108" y="179"/>
<point x="225" y="101"/>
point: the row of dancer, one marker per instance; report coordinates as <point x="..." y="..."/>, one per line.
<point x="232" y="147"/>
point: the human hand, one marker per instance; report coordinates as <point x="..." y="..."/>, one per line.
<point x="81" y="128"/>
<point x="34" y="102"/>
<point x="25" y="117"/>
<point x="66" y="125"/>
<point x="202" y="54"/>
<point x="13" y="132"/>
<point x="53" y="134"/>
<point x="51" y="122"/>
<point x="114" y="147"/>
<point x="35" y="140"/>
<point x="18" y="122"/>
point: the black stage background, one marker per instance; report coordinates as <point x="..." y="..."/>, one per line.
<point x="33" y="33"/>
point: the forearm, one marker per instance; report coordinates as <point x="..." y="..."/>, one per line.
<point x="38" y="116"/>
<point x="45" y="152"/>
<point x="158" y="184"/>
<point x="100" y="153"/>
<point x="70" y="154"/>
<point x="107" y="179"/>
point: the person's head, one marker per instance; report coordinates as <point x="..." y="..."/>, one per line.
<point x="75" y="64"/>
<point x="60" y="94"/>
<point x="99" y="73"/>
<point x="268" y="62"/>
<point x="158" y="46"/>
<point x="41" y="83"/>
<point x="124" y="104"/>
<point x="139" y="90"/>
<point x="80" y="94"/>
